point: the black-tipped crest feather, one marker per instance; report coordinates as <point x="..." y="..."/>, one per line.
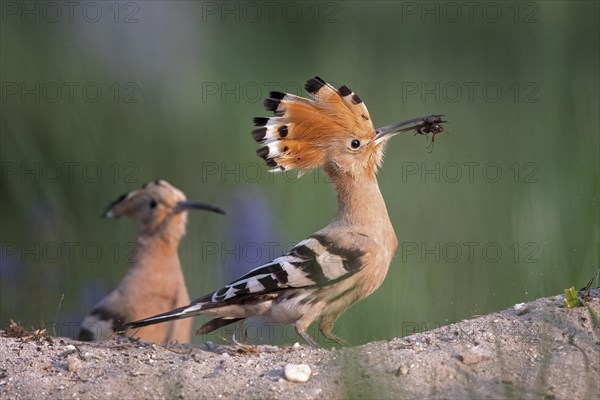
<point x="277" y="95"/>
<point x="314" y="84"/>
<point x="259" y="134"/>
<point x="260" y="121"/>
<point x="271" y="104"/>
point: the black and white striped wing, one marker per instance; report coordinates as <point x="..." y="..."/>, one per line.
<point x="313" y="262"/>
<point x="318" y="261"/>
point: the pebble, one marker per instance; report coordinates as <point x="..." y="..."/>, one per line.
<point x="521" y="308"/>
<point x="69" y="349"/>
<point x="473" y="356"/>
<point x="402" y="371"/>
<point x="74" y="364"/>
<point x="299" y="373"/>
<point x="210" y="345"/>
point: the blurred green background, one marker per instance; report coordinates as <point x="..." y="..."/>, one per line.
<point x="100" y="97"/>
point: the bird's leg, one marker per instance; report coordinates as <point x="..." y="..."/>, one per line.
<point x="326" y="328"/>
<point x="301" y="331"/>
<point x="243" y="333"/>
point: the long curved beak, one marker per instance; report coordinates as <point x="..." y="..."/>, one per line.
<point x="196" y="205"/>
<point x="420" y="125"/>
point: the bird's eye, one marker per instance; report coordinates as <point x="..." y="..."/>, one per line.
<point x="153" y="203"/>
<point x="355" y="144"/>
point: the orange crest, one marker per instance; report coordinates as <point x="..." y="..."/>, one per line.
<point x="303" y="132"/>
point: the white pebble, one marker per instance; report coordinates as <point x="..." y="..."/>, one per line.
<point x="521" y="308"/>
<point x="299" y="373"/>
<point x="69" y="349"/>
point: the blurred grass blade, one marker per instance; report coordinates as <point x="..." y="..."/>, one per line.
<point x="571" y="299"/>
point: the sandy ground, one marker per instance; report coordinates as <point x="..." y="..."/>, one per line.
<point x="542" y="351"/>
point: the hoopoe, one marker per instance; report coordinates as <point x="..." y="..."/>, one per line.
<point x="154" y="282"/>
<point x="348" y="259"/>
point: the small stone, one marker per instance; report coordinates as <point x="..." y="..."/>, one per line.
<point x="296" y="345"/>
<point x="210" y="345"/>
<point x="521" y="308"/>
<point x="299" y="373"/>
<point x="74" y="364"/>
<point x="69" y="349"/>
<point x="402" y="371"/>
<point x="473" y="356"/>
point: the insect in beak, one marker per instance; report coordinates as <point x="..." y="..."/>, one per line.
<point x="422" y="126"/>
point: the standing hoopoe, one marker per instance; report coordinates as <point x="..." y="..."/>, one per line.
<point x="343" y="262"/>
<point x="154" y="282"/>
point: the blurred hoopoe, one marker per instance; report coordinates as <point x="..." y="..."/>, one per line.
<point x="343" y="262"/>
<point x="154" y="282"/>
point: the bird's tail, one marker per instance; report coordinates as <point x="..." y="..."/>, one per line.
<point x="178" y="313"/>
